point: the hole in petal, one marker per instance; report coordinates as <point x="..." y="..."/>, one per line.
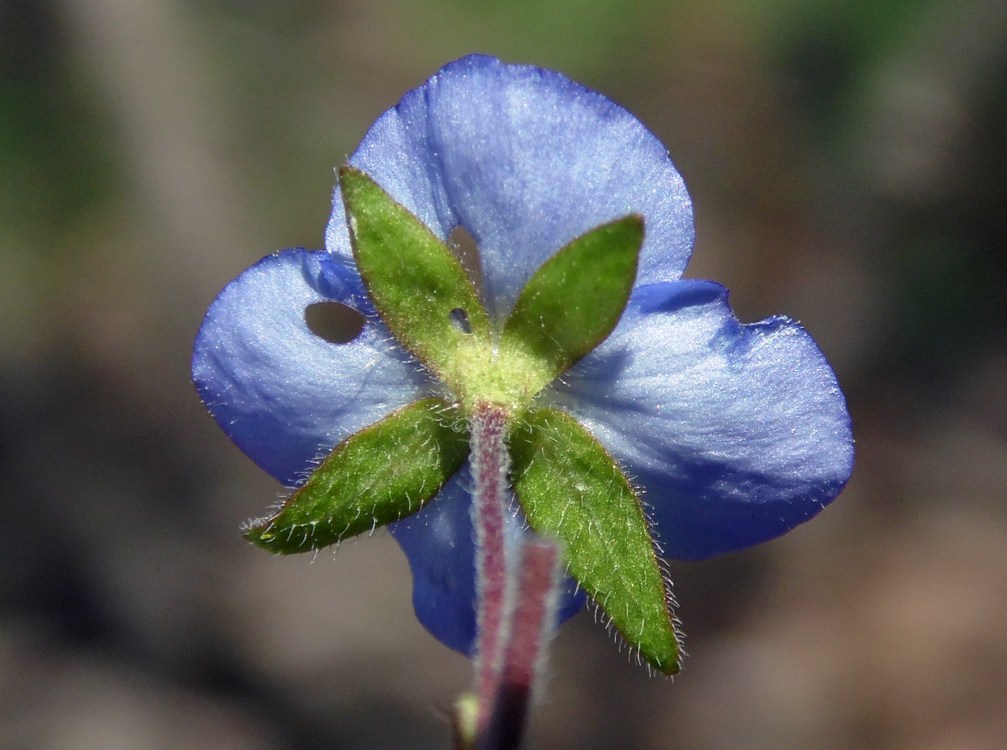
<point x="465" y="249"/>
<point x="333" y="321"/>
<point x="460" y="320"/>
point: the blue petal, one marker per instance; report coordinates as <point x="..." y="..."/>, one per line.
<point x="736" y="433"/>
<point x="438" y="541"/>
<point x="283" y="394"/>
<point x="526" y="160"/>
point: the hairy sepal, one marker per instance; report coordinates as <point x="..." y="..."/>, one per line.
<point x="419" y="287"/>
<point x="575" y="299"/>
<point x="379" y="475"/>
<point x="570" y="488"/>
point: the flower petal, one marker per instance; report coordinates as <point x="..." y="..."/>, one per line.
<point x="284" y="395"/>
<point x="438" y="542"/>
<point x="736" y="433"/>
<point x="484" y="145"/>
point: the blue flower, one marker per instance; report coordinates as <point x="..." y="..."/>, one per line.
<point x="734" y="433"/>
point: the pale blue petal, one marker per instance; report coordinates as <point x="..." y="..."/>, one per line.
<point x="438" y="542"/>
<point x="284" y="395"/>
<point x="736" y="433"/>
<point x="526" y="160"/>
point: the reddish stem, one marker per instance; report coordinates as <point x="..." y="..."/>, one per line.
<point x="489" y="472"/>
<point x="531" y="621"/>
<point x="516" y="598"/>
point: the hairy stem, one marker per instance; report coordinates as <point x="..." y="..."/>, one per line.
<point x="531" y="621"/>
<point x="516" y="592"/>
<point x="490" y="462"/>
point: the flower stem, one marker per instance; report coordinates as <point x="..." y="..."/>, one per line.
<point x="516" y="601"/>
<point x="531" y="622"/>
<point x="490" y="461"/>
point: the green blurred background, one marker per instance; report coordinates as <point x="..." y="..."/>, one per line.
<point x="847" y="163"/>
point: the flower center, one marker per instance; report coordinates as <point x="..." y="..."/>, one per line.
<point x="483" y="371"/>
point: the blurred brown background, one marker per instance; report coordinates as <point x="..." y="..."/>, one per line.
<point x="847" y="162"/>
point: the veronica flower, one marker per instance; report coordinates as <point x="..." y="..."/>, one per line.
<point x="728" y="434"/>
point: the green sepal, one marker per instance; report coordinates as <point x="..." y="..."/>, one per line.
<point x="383" y="473"/>
<point x="575" y="298"/>
<point x="570" y="488"/>
<point x="419" y="287"/>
